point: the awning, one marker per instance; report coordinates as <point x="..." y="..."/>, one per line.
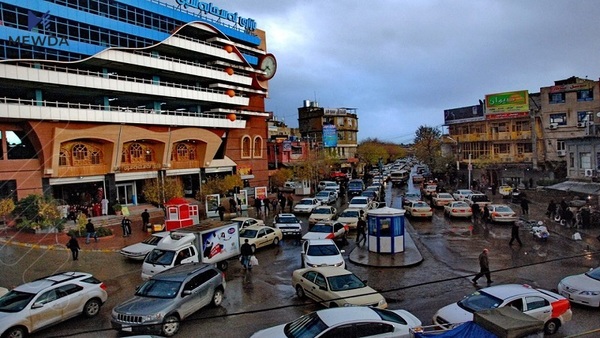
<point x="588" y="188"/>
<point x="77" y="179"/>
<point x="220" y="165"/>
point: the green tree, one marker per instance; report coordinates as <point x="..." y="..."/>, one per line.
<point x="38" y="212"/>
<point x="370" y="151"/>
<point x="7" y="206"/>
<point x="281" y="176"/>
<point x="427" y="145"/>
<point x="157" y="191"/>
<point x="219" y="186"/>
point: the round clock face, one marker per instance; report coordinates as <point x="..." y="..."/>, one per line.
<point x="268" y="64"/>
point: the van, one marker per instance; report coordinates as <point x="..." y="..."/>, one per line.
<point x="399" y="177"/>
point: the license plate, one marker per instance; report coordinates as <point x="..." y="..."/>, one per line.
<point x="127" y="328"/>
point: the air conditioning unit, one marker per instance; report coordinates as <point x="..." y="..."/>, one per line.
<point x="553" y="125"/>
<point x="581" y="124"/>
<point x="562" y="153"/>
<point x="589" y="172"/>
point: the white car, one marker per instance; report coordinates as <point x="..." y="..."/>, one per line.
<point x="321" y="252"/>
<point x="418" y="209"/>
<point x="349" y="217"/>
<point x="502" y="213"/>
<point x="333" y="231"/>
<point x="138" y="251"/>
<point x="50" y="300"/>
<point x="321" y="214"/>
<point x="361" y="203"/>
<point x="306" y="205"/>
<point x="324" y="184"/>
<point x="334" y="189"/>
<point x="288" y="224"/>
<point x="582" y="289"/>
<point x="361" y="321"/>
<point x="247" y="221"/>
<point x="551" y="308"/>
<point x="326" y="196"/>
<point x="334" y="287"/>
<point x="260" y="235"/>
<point x="458" y="209"/>
<point x="441" y="199"/>
<point x="461" y="194"/>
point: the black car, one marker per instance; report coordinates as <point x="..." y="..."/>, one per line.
<point x="516" y="196"/>
<point x="355" y="187"/>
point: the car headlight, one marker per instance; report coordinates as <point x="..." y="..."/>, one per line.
<point x="156" y="317"/>
<point x="590" y="293"/>
<point x="311" y="265"/>
<point x="381" y="302"/>
<point x="338" y="264"/>
<point x="348" y="304"/>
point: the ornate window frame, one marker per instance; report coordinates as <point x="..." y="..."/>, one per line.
<point x="257" y="147"/>
<point x="246" y="150"/>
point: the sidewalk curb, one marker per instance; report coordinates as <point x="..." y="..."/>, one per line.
<point x="58" y="247"/>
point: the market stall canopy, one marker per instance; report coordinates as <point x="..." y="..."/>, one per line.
<point x="588" y="188"/>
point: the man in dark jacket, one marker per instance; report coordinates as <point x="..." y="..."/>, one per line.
<point x="514" y="234"/>
<point x="246" y="252"/>
<point x="484" y="268"/>
<point x="91" y="232"/>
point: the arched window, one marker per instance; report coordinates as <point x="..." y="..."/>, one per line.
<point x="182" y="152"/>
<point x="257" y="147"/>
<point x="63" y="158"/>
<point x="96" y="157"/>
<point x="246" y="147"/>
<point x="136" y="152"/>
<point x="193" y="155"/>
<point x="80" y="152"/>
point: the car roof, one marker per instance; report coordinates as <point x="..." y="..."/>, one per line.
<point x="323" y="207"/>
<point x="242" y="218"/>
<point x="329" y="271"/>
<point x="347" y="314"/>
<point x="48" y="281"/>
<point x="181" y="272"/>
<point x="256" y="227"/>
<point x="320" y="241"/>
<point x="307" y="199"/>
<point x="286" y="215"/>
<point x="509" y="290"/>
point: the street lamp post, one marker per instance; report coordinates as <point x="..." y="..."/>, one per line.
<point x="470" y="168"/>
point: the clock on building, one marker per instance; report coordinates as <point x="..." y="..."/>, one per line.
<point x="268" y="64"/>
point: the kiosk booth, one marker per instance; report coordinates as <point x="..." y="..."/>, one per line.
<point x="385" y="230"/>
<point x="180" y="213"/>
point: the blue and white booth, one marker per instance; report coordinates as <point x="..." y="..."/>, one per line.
<point x="385" y="230"/>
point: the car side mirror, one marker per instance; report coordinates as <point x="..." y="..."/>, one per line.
<point x="342" y="251"/>
<point x="364" y="281"/>
<point x="37" y="305"/>
<point x="186" y="292"/>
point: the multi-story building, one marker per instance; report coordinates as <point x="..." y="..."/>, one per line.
<point x="100" y="96"/>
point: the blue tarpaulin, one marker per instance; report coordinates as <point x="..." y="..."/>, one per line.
<point x="468" y="329"/>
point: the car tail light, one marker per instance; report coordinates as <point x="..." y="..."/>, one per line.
<point x="223" y="274"/>
<point x="495" y="214"/>
<point x="103" y="286"/>
<point x="559" y="307"/>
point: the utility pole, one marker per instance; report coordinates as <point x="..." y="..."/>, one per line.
<point x="470" y="167"/>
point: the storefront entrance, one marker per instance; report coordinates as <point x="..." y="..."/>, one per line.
<point x="126" y="193"/>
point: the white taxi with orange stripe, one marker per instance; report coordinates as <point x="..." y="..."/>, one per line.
<point x="551" y="308"/>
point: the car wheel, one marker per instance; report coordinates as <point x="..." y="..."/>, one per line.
<point x="91" y="308"/>
<point x="170" y="326"/>
<point x="300" y="292"/>
<point x="217" y="298"/>
<point x="15" y="332"/>
<point x="222" y="265"/>
<point x="276" y="241"/>
<point x="551" y="326"/>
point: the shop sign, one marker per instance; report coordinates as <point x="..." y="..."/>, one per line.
<point x="210" y="8"/>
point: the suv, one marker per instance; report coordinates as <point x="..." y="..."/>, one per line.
<point x="481" y="199"/>
<point x="167" y="298"/>
<point x="48" y="301"/>
<point x="288" y="224"/>
<point x="355" y="187"/>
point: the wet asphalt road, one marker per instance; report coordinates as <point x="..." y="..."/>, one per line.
<point x="264" y="296"/>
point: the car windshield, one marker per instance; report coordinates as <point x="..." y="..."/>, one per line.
<point x="161" y="257"/>
<point x="287" y="220"/>
<point x="306" y="202"/>
<point x="479" y="301"/>
<point x="15" y="301"/>
<point x="368" y="193"/>
<point x="359" y="201"/>
<point x="420" y="205"/>
<point x="323" y="194"/>
<point x="390" y="316"/>
<point x="355" y="185"/>
<point x="503" y="208"/>
<point x="307" y="326"/>
<point x="330" y="184"/>
<point x="248" y="233"/>
<point x="479" y="198"/>
<point x="156" y="288"/>
<point x="324" y="228"/>
<point x="323" y="250"/>
<point x="351" y="213"/>
<point x="411" y="195"/>
<point x="595" y="274"/>
<point x="322" y="211"/>
<point x="444" y="196"/>
<point x="345" y="282"/>
<point x="460" y="205"/>
<point x="152" y="240"/>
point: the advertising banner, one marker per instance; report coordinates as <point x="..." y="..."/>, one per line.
<point x="260" y="192"/>
<point x="212" y="203"/>
<point x="330" y="138"/>
<point x="243" y="197"/>
<point x="463" y="114"/>
<point x="509" y="102"/>
<point x="220" y="244"/>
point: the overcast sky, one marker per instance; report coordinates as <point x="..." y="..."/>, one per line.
<point x="401" y="63"/>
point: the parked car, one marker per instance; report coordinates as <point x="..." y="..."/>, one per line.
<point x="418" y="209"/>
<point x="321" y="214"/>
<point x="502" y="213"/>
<point x="481" y="199"/>
<point x="161" y="303"/>
<point x="259" y="236"/>
<point x="306" y="205"/>
<point x="461" y="194"/>
<point x="139" y="250"/>
<point x="582" y="289"/>
<point x="458" y="209"/>
<point x="334" y="287"/>
<point x="326" y="196"/>
<point x="50" y="300"/>
<point x="321" y="252"/>
<point x="361" y="203"/>
<point x="244" y="222"/>
<point x="346" y="322"/>
<point x="551" y="308"/>
<point x="442" y="199"/>
<point x="335" y="231"/>
<point x="409" y="197"/>
<point x="349" y="217"/>
<point x="288" y="224"/>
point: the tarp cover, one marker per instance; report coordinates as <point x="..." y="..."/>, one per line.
<point x="468" y="329"/>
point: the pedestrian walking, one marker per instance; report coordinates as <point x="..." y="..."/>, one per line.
<point x="267" y="206"/>
<point x="282" y="201"/>
<point x="232" y="205"/>
<point x="525" y="206"/>
<point x="475" y="210"/>
<point x="514" y="234"/>
<point x="551" y="210"/>
<point x="361" y="226"/>
<point x="290" y="202"/>
<point x="90" y="232"/>
<point x="484" y="268"/>
<point x="246" y="252"/>
<point x="486" y="215"/>
<point x="73" y="245"/>
<point x="275" y="204"/>
<point x="126" y="226"/>
<point x="221" y="211"/>
<point x="145" y="219"/>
